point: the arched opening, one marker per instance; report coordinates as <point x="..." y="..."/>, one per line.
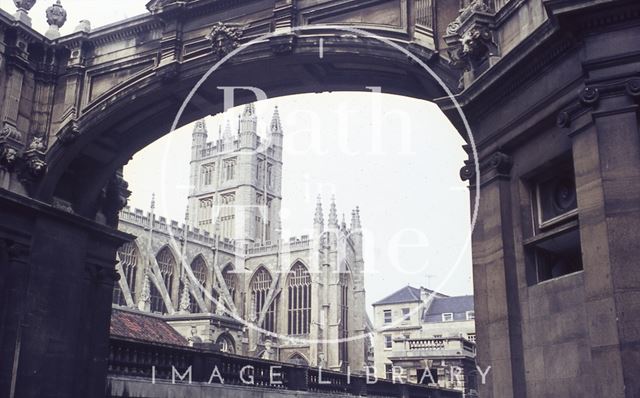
<point x="230" y="280"/>
<point x="127" y="257"/>
<point x="199" y="269"/>
<point x="167" y="266"/>
<point x="260" y="288"/>
<point x="299" y="300"/>
<point x="298" y="359"/>
<point x="226" y="343"/>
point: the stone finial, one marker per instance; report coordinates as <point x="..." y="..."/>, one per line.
<point x="276" y="125"/>
<point x="249" y="110"/>
<point x="227" y="130"/>
<point x="23" y="7"/>
<point x="145" y="295"/>
<point x="153" y="201"/>
<point x="355" y="219"/>
<point x="56" y="17"/>
<point x="318" y="218"/>
<point x="200" y="127"/>
<point x="83" y="26"/>
<point x="333" y="214"/>
<point x="343" y="224"/>
<point x="356" y="224"/>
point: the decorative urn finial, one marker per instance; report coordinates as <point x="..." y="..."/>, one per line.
<point x="56" y="17"/>
<point x="23" y="7"/>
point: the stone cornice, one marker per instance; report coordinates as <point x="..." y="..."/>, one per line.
<point x="589" y="97"/>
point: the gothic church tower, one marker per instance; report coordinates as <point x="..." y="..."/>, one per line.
<point x="236" y="180"/>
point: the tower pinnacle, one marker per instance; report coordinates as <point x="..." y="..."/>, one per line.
<point x="333" y="214"/>
<point x="276" y="125"/>
<point x="318" y="218"/>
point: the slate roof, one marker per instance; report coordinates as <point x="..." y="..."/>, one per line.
<point x="407" y="294"/>
<point x="143" y="327"/>
<point x="458" y="306"/>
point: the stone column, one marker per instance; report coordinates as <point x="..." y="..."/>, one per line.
<point x="498" y="319"/>
<point x="606" y="155"/>
<point x="56" y="335"/>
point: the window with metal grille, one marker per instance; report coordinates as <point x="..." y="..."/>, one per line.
<point x="299" y="289"/>
<point x="128" y="257"/>
<point x="260" y="285"/>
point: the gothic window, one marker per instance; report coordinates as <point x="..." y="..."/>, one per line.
<point x="205" y="211"/>
<point x="227" y="217"/>
<point x="199" y="268"/>
<point x="230" y="280"/>
<point x="299" y="294"/>
<point x="260" y="285"/>
<point x="269" y="175"/>
<point x="167" y="264"/>
<point x="229" y="168"/>
<point x="344" y="320"/>
<point x="207" y="173"/>
<point x="128" y="257"/>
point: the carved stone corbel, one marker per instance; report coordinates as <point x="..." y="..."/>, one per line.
<point x="224" y="38"/>
<point x="69" y="132"/>
<point x="499" y="164"/>
<point x="10" y="145"/>
<point x="470" y="37"/>
<point x="114" y="198"/>
<point x="34" y="159"/>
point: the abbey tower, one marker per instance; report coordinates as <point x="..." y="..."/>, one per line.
<point x="237" y="178"/>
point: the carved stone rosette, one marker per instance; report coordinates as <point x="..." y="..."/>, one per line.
<point x="224" y="38"/>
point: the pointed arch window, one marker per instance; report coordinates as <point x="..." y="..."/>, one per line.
<point x="199" y="268"/>
<point x="298" y="359"/>
<point x="128" y="257"/>
<point x="343" y="350"/>
<point x="167" y="264"/>
<point x="260" y="285"/>
<point x="230" y="280"/>
<point x="299" y="294"/>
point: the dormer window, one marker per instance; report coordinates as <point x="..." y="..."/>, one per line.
<point x="471" y="315"/>
<point x="447" y="317"/>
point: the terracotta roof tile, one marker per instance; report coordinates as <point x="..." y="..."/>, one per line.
<point x="144" y="327"/>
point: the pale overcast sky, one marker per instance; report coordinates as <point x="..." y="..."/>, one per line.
<point x="397" y="158"/>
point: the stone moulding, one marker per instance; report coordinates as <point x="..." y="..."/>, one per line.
<point x="589" y="97"/>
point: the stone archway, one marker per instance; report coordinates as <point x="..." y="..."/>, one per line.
<point x="540" y="79"/>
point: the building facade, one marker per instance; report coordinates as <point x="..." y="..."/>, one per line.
<point x="426" y="337"/>
<point x="224" y="275"/>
